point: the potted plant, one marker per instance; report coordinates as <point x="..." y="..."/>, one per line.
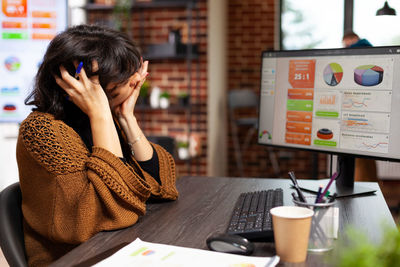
<point x="183" y="150"/>
<point x="164" y="99"/>
<point x="122" y="15"/>
<point x="183" y="99"/>
<point x="143" y="98"/>
<point x="356" y="250"/>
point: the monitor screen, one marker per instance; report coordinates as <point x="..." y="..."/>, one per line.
<point x="341" y="101"/>
<point x="26" y="29"/>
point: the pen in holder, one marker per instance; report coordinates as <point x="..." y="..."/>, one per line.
<point x="322" y="232"/>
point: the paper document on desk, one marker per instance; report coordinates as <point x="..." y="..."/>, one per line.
<point x="146" y="254"/>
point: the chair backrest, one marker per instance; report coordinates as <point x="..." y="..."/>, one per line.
<point x="167" y="142"/>
<point x="242" y="98"/>
<point x="11" y="231"/>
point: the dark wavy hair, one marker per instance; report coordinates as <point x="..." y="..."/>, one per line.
<point x="117" y="56"/>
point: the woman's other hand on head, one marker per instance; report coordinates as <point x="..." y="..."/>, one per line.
<point x="124" y="99"/>
<point x="84" y="92"/>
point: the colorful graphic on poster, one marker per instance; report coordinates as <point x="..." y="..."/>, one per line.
<point x="368" y="75"/>
<point x="333" y="74"/>
<point x="12" y="63"/>
<point x="302" y="73"/>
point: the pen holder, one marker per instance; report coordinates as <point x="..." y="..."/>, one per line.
<point x="323" y="231"/>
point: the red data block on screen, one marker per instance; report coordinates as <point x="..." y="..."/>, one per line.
<point x="302" y="139"/>
<point x="38" y="25"/>
<point x="44" y="14"/>
<point x="303" y="116"/>
<point x="14" y="8"/>
<point x="301" y="94"/>
<point x="42" y="36"/>
<point x="13" y="25"/>
<point x="299" y="127"/>
<point x="302" y="73"/>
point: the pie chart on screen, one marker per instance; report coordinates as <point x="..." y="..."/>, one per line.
<point x="333" y="74"/>
<point x="12" y="63"/>
<point x="368" y="75"/>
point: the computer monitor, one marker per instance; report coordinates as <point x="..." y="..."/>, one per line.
<point x="340" y="101"/>
<point x="27" y="28"/>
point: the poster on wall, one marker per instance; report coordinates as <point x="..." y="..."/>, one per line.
<point x="26" y="28"/>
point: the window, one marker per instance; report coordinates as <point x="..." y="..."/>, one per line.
<point x="312" y="24"/>
<point x="379" y="30"/>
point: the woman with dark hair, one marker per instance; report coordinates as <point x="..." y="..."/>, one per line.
<point x="84" y="163"/>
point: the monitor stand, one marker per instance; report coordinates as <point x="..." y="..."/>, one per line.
<point x="344" y="185"/>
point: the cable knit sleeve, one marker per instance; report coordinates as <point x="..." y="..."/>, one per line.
<point x="80" y="193"/>
<point x="167" y="174"/>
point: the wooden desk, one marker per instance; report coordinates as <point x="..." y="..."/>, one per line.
<point x="204" y="207"/>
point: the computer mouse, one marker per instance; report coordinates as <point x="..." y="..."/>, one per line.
<point x="230" y="244"/>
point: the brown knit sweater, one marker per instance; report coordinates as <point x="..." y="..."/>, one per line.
<point x="70" y="194"/>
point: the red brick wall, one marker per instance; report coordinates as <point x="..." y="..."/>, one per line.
<point x="251" y="27"/>
<point x="250" y="30"/>
<point x="152" y="26"/>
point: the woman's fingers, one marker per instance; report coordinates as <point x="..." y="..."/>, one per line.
<point x="144" y="68"/>
<point x="140" y="75"/>
<point x="141" y="82"/>
<point x="72" y="86"/>
<point x="71" y="92"/>
<point x="95" y="68"/>
<point x="83" y="76"/>
<point x="62" y="84"/>
<point x="68" y="79"/>
<point x="85" y="80"/>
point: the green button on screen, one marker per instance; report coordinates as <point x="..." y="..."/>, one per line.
<point x="15" y="35"/>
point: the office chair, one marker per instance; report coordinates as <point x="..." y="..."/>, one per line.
<point x="11" y="231"/>
<point x="241" y="99"/>
<point x="167" y="142"/>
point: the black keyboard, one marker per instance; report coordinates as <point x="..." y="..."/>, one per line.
<point x="251" y="218"/>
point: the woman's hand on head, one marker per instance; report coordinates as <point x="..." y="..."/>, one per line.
<point x="125" y="107"/>
<point x="84" y="92"/>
